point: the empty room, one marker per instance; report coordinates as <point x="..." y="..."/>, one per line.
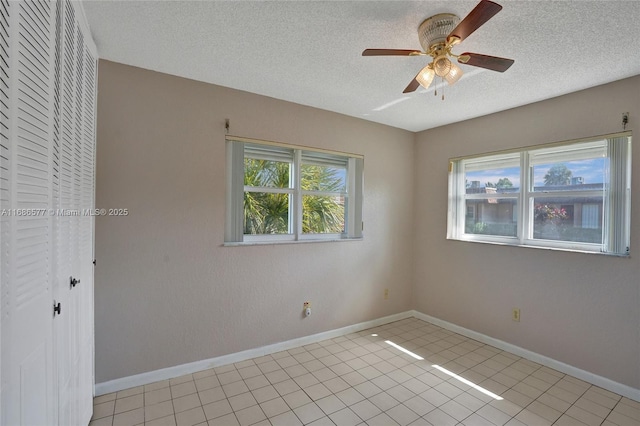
<point x="319" y="213"/>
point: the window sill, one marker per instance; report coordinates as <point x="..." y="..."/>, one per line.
<point x="540" y="247"/>
<point x="275" y="242"/>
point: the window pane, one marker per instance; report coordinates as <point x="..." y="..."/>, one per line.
<point x="323" y="215"/>
<point x="578" y="175"/>
<point x="266" y="213"/>
<point x="323" y="178"/>
<point x="495" y="216"/>
<point x="266" y="173"/>
<point x="577" y="219"/>
<point x="576" y="196"/>
<point x="492" y="181"/>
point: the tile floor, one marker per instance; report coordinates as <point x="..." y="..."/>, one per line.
<point x="359" y="379"/>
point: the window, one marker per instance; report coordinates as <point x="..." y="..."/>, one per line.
<point x="572" y="196"/>
<point x="491" y="195"/>
<point x="277" y="192"/>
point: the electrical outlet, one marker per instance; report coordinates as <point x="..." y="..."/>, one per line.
<point x="386" y="293"/>
<point x="515" y="314"/>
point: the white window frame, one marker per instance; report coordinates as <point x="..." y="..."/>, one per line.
<point x="353" y="193"/>
<point x="616" y="210"/>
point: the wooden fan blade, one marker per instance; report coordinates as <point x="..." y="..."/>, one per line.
<point x="412" y="86"/>
<point x="484" y="11"/>
<point x="493" y="63"/>
<point x="390" y="52"/>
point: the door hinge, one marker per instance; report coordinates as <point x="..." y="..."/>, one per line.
<point x="94" y="262"/>
<point x="56" y="308"/>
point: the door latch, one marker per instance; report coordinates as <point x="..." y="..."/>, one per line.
<point x="73" y="282"/>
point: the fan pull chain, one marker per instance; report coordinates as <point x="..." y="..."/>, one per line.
<point x="435" y="88"/>
<point x="435" y="91"/>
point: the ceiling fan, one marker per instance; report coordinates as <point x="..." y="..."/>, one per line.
<point x="438" y="35"/>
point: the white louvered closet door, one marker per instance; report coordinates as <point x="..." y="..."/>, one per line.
<point x="4" y="175"/>
<point x="74" y="233"/>
<point x="64" y="327"/>
<point x="47" y="148"/>
<point x="5" y="188"/>
<point x="27" y="301"/>
<point x="87" y="226"/>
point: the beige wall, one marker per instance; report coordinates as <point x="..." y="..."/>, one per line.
<point x="581" y="309"/>
<point x="166" y="291"/>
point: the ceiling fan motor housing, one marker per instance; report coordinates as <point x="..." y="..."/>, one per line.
<point x="434" y="30"/>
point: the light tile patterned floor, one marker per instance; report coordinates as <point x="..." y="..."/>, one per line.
<point x="359" y="379"/>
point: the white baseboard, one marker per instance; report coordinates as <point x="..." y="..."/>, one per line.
<point x="594" y="379"/>
<point x="193" y="367"/>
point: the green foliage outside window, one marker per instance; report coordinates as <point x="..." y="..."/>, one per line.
<point x="268" y="213"/>
<point x="558" y="174"/>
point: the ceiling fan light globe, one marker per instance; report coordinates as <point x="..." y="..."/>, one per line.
<point x="425" y="76"/>
<point x="454" y="74"/>
<point x="442" y="66"/>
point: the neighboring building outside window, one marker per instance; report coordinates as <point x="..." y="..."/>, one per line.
<point x="573" y="196"/>
<point x="591" y="216"/>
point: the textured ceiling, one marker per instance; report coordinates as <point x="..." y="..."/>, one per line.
<point x="309" y="52"/>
